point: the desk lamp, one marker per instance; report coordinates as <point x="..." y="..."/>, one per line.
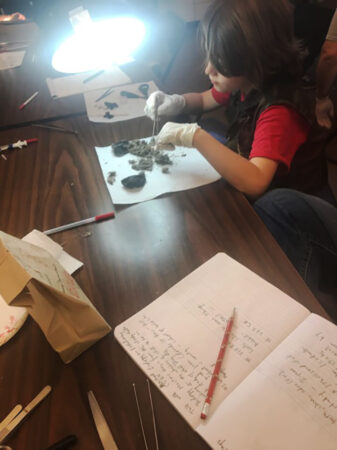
<point x="97" y="45"/>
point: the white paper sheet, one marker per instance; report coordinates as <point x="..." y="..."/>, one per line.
<point x="189" y="170"/>
<point x="98" y="109"/>
<point x="73" y="84"/>
<point x="9" y="60"/>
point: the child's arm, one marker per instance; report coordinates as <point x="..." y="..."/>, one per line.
<point x="199" y="102"/>
<point x="252" y="177"/>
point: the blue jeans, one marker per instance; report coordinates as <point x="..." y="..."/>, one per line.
<point x="305" y="227"/>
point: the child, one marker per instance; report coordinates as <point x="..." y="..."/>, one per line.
<point x="254" y="65"/>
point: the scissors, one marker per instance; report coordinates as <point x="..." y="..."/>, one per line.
<point x="142" y="88"/>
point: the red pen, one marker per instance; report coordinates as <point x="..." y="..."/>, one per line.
<point x="79" y="223"/>
<point x="25" y="103"/>
<point x="217" y="367"/>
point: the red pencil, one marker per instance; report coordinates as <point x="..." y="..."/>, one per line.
<point x="217" y="367"/>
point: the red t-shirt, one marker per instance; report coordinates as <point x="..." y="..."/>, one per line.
<point x="280" y="131"/>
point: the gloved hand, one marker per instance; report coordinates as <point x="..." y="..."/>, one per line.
<point x="166" y="105"/>
<point x="177" y="134"/>
<point x="324" y="112"/>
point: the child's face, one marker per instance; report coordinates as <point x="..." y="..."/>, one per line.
<point x="225" y="84"/>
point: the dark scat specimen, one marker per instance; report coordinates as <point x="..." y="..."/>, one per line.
<point x="110" y="105"/>
<point x="121" y="148"/>
<point x="107" y="115"/>
<point x="134" y="181"/>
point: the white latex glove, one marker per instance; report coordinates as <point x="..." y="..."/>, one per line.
<point x="166" y="105"/>
<point x="180" y="134"/>
<point x="324" y="111"/>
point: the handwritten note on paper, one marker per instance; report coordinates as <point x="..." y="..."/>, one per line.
<point x="176" y="339"/>
<point x="120" y="103"/>
<point x="308" y="373"/>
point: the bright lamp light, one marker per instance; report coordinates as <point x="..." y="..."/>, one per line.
<point x="100" y="45"/>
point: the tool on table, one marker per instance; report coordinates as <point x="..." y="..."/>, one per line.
<point x="25" y="103"/>
<point x="102" y="427"/>
<point x="54" y="127"/>
<point x="105" y="94"/>
<point x="153" y="417"/>
<point x="143" y="89"/>
<point x="96" y="74"/>
<point x="15" y="411"/>
<point x="79" y="223"/>
<point x="64" y="444"/>
<point x="18" y="144"/>
<point x="140" y="416"/>
<point x="217" y="367"/>
<point x="15" y="421"/>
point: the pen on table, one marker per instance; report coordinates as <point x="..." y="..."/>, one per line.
<point x="18" y="144"/>
<point x="54" y="127"/>
<point x="64" y="444"/>
<point x="86" y="80"/>
<point x="79" y="223"/>
<point x="25" y="103"/>
<point x="217" y="367"/>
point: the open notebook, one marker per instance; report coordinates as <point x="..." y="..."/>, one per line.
<point x="278" y="384"/>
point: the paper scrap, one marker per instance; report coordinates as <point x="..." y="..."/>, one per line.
<point x="69" y="263"/>
<point x="9" y="60"/>
<point x="73" y="84"/>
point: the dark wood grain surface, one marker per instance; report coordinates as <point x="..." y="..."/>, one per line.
<point x="128" y="263"/>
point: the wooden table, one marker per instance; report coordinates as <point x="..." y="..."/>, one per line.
<point x="128" y="262"/>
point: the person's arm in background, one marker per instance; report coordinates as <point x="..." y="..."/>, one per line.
<point x="325" y="76"/>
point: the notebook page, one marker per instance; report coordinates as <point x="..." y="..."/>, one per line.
<point x="176" y="339"/>
<point x="289" y="401"/>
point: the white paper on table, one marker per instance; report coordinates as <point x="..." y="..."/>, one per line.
<point x="69" y="263"/>
<point x="189" y="170"/>
<point x="9" y="60"/>
<point x="128" y="108"/>
<point x="73" y="84"/>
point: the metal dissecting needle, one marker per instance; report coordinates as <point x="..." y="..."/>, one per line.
<point x="155" y="122"/>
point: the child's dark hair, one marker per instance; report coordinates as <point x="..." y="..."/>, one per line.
<point x="252" y="38"/>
